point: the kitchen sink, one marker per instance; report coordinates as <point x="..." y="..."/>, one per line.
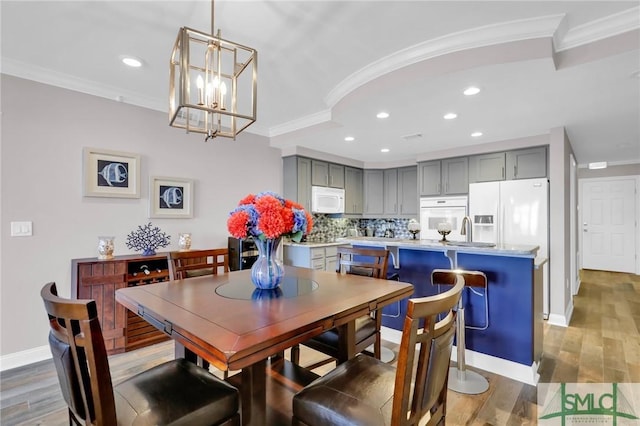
<point x="469" y="244"/>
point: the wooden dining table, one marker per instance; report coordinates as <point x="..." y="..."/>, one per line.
<point x="232" y="325"/>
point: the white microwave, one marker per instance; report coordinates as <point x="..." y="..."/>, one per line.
<point x="327" y="200"/>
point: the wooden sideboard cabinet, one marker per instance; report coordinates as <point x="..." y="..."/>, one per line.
<point x="95" y="279"/>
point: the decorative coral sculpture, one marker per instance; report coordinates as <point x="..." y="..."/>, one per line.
<point x="148" y="239"/>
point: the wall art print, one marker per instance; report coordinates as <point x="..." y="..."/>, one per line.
<point x="110" y="174"/>
<point x="170" y="197"/>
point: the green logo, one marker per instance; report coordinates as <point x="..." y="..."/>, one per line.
<point x="589" y="403"/>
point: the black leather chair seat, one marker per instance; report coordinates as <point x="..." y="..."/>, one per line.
<point x="365" y="326"/>
<point x="361" y="388"/>
<point x="175" y="393"/>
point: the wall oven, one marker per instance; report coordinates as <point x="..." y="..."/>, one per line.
<point x="435" y="210"/>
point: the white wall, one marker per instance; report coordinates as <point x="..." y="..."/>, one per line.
<point x="44" y="129"/>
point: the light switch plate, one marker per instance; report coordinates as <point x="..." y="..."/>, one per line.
<point x="21" y="229"/>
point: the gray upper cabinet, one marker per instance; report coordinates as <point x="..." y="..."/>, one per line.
<point x="336" y="175"/>
<point x="487" y="167"/>
<point x="297" y="180"/>
<point x="390" y="191"/>
<point x="444" y="177"/>
<point x="527" y="163"/>
<point x="429" y="178"/>
<point x="353" y="190"/>
<point x="455" y="176"/>
<point x="327" y="174"/>
<point x="373" y="184"/>
<point x="408" y="191"/>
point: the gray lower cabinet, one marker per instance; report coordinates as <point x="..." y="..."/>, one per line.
<point x="408" y="191"/>
<point x="527" y="163"/>
<point x="297" y="180"/>
<point x="373" y="189"/>
<point x="323" y="258"/>
<point x="353" y="190"/>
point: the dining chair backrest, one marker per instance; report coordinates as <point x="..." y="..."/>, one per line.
<point x="80" y="357"/>
<point x="195" y="263"/>
<point x="425" y="348"/>
<point x="173" y="392"/>
<point x="362" y="261"/>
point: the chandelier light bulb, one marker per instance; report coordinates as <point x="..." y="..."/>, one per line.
<point x="223" y="93"/>
<point x="200" y="86"/>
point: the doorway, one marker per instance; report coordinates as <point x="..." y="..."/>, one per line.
<point x="608" y="222"/>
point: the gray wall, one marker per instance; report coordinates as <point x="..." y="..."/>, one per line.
<point x="44" y="129"/>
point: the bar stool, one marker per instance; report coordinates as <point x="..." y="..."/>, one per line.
<point x="462" y="380"/>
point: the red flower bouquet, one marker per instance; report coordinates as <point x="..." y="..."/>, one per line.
<point x="268" y="216"/>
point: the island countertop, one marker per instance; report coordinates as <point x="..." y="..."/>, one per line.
<point x="458" y="246"/>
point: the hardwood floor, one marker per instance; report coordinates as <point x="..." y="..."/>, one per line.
<point x="602" y="344"/>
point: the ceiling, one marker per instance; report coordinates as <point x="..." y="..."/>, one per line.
<point x="327" y="67"/>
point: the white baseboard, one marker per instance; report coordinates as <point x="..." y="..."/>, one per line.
<point x="562" y="320"/>
<point x="512" y="370"/>
<point x="20" y="359"/>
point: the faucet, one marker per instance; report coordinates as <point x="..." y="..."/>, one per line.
<point x="463" y="231"/>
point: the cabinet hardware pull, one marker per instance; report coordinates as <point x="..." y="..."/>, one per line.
<point x="515" y="171"/>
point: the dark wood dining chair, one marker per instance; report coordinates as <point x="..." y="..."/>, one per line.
<point x="358" y="261"/>
<point x="175" y="392"/>
<point x="367" y="391"/>
<point x="196" y="263"/>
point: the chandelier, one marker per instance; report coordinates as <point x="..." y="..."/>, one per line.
<point x="212" y="84"/>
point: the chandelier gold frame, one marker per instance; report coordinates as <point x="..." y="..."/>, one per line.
<point x="204" y="69"/>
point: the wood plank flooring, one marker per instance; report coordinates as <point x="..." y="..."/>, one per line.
<point x="602" y="344"/>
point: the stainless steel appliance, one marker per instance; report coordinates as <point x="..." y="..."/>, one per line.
<point x="242" y="253"/>
<point x="437" y="210"/>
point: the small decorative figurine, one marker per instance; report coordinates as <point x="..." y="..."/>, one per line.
<point x="184" y="241"/>
<point x="105" y="248"/>
<point x="147" y="239"/>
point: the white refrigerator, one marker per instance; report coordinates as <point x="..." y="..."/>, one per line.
<point x="513" y="212"/>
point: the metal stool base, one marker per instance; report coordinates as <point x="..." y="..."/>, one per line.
<point x="386" y="354"/>
<point x="471" y="384"/>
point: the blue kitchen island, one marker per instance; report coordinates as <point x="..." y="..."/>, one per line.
<point x="510" y="344"/>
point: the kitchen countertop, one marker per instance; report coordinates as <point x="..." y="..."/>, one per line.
<point x="500" y="249"/>
<point x="312" y="244"/>
<point x="449" y="249"/>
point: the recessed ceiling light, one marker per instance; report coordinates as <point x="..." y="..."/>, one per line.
<point x="384" y="150"/>
<point x="131" y="61"/>
<point x="598" y="165"/>
<point x="470" y="91"/>
<point x="383" y="115"/>
<point x="349" y="139"/>
<point x="635" y="74"/>
<point x="450" y="116"/>
<point x="476" y="134"/>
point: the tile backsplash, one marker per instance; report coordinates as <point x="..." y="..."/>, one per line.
<point x="327" y="228"/>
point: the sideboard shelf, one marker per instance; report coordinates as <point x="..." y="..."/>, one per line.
<point x="99" y="279"/>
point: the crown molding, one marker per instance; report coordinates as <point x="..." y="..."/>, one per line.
<point x="609" y="26"/>
<point x="506" y="32"/>
<point x="65" y="81"/>
<point x="301" y="123"/>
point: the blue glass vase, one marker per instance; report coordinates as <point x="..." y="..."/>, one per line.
<point x="267" y="271"/>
